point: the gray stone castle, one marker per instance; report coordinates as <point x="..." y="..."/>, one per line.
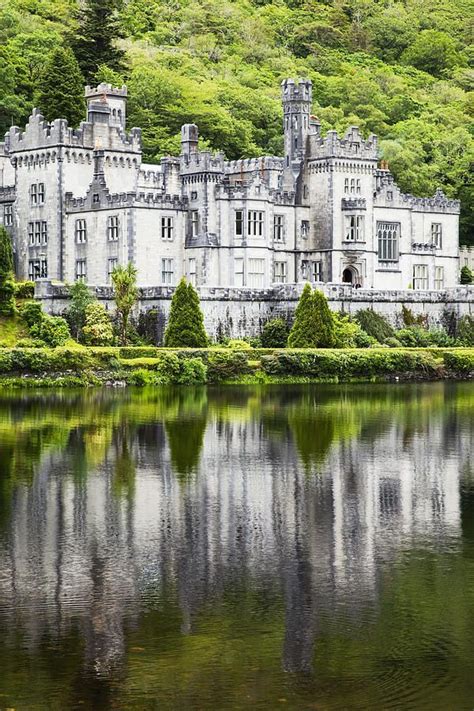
<point x="79" y="202"/>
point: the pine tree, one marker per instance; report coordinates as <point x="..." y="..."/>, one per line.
<point x="61" y="88"/>
<point x="314" y="325"/>
<point x="185" y="327"/>
<point x="95" y="41"/>
<point x="7" y="286"/>
<point x="466" y="275"/>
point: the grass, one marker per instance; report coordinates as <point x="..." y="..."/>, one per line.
<point x="12" y="329"/>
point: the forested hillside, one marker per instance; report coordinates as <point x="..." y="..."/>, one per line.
<point x="400" y="69"/>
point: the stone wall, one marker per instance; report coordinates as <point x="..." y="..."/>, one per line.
<point x="241" y="312"/>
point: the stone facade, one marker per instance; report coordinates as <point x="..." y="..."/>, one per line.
<point x="81" y="201"/>
<point x="466" y="257"/>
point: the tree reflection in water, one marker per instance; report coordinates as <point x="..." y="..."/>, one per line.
<point x="203" y="546"/>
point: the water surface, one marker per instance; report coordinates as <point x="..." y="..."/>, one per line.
<point x="305" y="547"/>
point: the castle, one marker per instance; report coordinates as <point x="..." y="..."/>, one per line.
<point x="79" y="202"/>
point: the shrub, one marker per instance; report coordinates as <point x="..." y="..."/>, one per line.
<point x="225" y="366"/>
<point x="460" y="362"/>
<point x="185" y="327"/>
<point x="465" y="331"/>
<point x="149" y="325"/>
<point x="169" y="366"/>
<point x="7" y="285"/>
<point x="314" y="325"/>
<point x="414" y="337"/>
<point x="97" y="330"/>
<point x="81" y="298"/>
<point x="238" y="344"/>
<point x="138" y="352"/>
<point x="30" y="343"/>
<point x="392" y="342"/>
<point x="4" y="344"/>
<point x="141" y="377"/>
<point x="53" y="330"/>
<point x="275" y="333"/>
<point x="32" y="313"/>
<point x="409" y="318"/>
<point x="25" y="289"/>
<point x="192" y="372"/>
<point x="345" y="332"/>
<point x="374" y="324"/>
<point x="363" y="340"/>
<point x="467" y="276"/>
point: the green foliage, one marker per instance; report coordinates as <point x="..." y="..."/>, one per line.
<point x="148" y="326"/>
<point x="95" y="40"/>
<point x="347" y="333"/>
<point x="32" y="313"/>
<point x="185" y="327"/>
<point x="81" y="298"/>
<point x="409" y="318"/>
<point x="30" y="343"/>
<point x="124" y="280"/>
<point x="53" y="330"/>
<point x="24" y="289"/>
<point x="465" y="331"/>
<point x="275" y="333"/>
<point x="97" y="329"/>
<point x="226" y="366"/>
<point x="61" y="87"/>
<point x="239" y="344"/>
<point x="7" y="285"/>
<point x="432" y="52"/>
<point x="314" y="325"/>
<point x="466" y="275"/>
<point x="374" y="325"/>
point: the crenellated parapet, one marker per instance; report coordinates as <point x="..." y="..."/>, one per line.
<point x="7" y="193"/>
<point x="253" y="165"/>
<point x="351" y="146"/>
<point x="388" y="194"/>
<point x="201" y="162"/>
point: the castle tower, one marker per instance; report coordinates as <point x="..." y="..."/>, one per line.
<point x="296" y="98"/>
<point x="189" y="138"/>
<point x="103" y="97"/>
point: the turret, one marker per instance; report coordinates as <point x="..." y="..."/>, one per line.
<point x="297" y="99"/>
<point x="107" y="104"/>
<point x="189" y="138"/>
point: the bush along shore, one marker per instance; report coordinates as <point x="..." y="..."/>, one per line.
<point x="141" y="366"/>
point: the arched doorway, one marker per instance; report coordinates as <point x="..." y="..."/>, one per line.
<point x="348" y="276"/>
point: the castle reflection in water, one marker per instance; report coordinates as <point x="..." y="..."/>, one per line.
<point x="114" y="498"/>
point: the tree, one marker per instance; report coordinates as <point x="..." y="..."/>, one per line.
<point x="432" y="52"/>
<point x="97" y="329"/>
<point x="81" y="297"/>
<point x="314" y="325"/>
<point x="275" y="333"/>
<point x="7" y="286"/>
<point x="185" y="327"/>
<point x="61" y="87"/>
<point x="466" y="275"/>
<point x="124" y="280"/>
<point x="95" y="41"/>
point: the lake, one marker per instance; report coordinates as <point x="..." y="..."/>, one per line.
<point x="252" y="547"/>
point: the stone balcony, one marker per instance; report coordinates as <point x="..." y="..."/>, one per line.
<point x="353" y="203"/>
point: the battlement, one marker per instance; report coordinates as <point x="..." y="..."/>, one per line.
<point x="7" y="193"/>
<point x="299" y="90"/>
<point x="202" y="162"/>
<point x="103" y="89"/>
<point x="39" y="133"/>
<point x="388" y="194"/>
<point x="251" y="165"/>
<point x="351" y="145"/>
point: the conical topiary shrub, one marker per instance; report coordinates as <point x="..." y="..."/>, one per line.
<point x="7" y="286"/>
<point x="185" y="327"/>
<point x="314" y="323"/>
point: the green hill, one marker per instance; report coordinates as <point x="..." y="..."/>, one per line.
<point x="400" y="69"/>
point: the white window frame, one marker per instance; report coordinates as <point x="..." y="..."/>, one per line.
<point x="279" y="228"/>
<point x="80" y="231"/>
<point x="112" y="262"/>
<point x="239" y="222"/>
<point x="192" y="270"/>
<point x="239" y="271"/>
<point x="280" y="272"/>
<point x="167" y="228"/>
<point x="388" y="241"/>
<point x="354" y="228"/>
<point x="194" y="223"/>
<point x="437" y="234"/>
<point x="304" y="229"/>
<point x="316" y="271"/>
<point x="420" y="277"/>
<point x="256" y="273"/>
<point x="37" y="269"/>
<point x="81" y="269"/>
<point x="37" y="194"/>
<point x="113" y="225"/>
<point x="167" y="271"/>
<point x="439" y="277"/>
<point x="346" y="185"/>
<point x="255" y="223"/>
<point x="8" y="215"/>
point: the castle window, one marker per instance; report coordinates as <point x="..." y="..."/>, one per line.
<point x="279" y="228"/>
<point x="44" y="233"/>
<point x="192" y="271"/>
<point x="37" y="194"/>
<point x="81" y="269"/>
<point x="37" y="233"/>
<point x="95" y="198"/>
<point x="256" y="273"/>
<point x="167" y="228"/>
<point x="420" y="277"/>
<point x="389" y="195"/>
<point x="439" y="278"/>
<point x="280" y="272"/>
<point x="238" y="272"/>
<point x="316" y="271"/>
<point x="388" y="235"/>
<point x="305" y="229"/>
<point x="8" y="215"/>
<point x="37" y="269"/>
<point x="113" y="228"/>
<point x="358" y="186"/>
<point x="239" y="223"/>
<point x="437" y="234"/>
<point x="352" y="185"/>
<point x="194" y="195"/>
<point x="167" y="271"/>
<point x="112" y="263"/>
<point x="354" y="228"/>
<point x="346" y="185"/>
<point x="255" y="223"/>
<point x="194" y="223"/>
<point x="81" y="231"/>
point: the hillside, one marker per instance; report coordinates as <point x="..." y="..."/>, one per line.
<point x="399" y="69"/>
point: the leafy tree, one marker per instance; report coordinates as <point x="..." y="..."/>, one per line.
<point x="432" y="52"/>
<point x="314" y="325"/>
<point x="95" y="42"/>
<point x="97" y="329"/>
<point x="185" y="327"/>
<point x="124" y="280"/>
<point x="81" y="297"/>
<point x="7" y="285"/>
<point x="61" y="87"/>
<point x="275" y="333"/>
<point x="53" y="330"/>
<point x="466" y="275"/>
